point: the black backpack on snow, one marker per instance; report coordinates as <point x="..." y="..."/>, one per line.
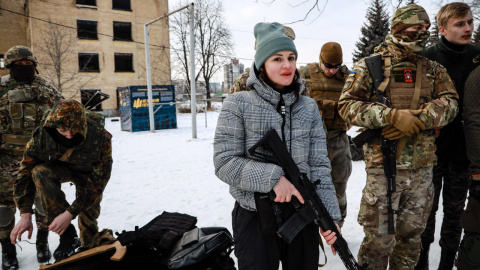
<point x="169" y="241"/>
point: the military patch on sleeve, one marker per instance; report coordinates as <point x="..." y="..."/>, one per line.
<point x="349" y="82"/>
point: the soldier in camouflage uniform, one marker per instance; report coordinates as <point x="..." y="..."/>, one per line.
<point x="24" y="97"/>
<point x="70" y="146"/>
<point x="324" y="81"/>
<point x="419" y="104"/>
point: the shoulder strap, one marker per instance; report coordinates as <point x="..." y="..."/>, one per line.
<point x="387" y="71"/>
<point x="418" y="84"/>
<point x="10" y="87"/>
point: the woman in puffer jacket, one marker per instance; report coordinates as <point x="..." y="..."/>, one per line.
<point x="273" y="102"/>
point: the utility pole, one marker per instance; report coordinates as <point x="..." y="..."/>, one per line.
<point x="193" y="97"/>
<point x="192" y="68"/>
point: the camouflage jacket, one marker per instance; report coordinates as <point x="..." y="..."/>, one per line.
<point x="358" y="106"/>
<point x="240" y="83"/>
<point x="90" y="160"/>
<point x="21" y="111"/>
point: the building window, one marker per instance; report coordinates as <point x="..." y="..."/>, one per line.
<point x="121" y="5"/>
<point x="88" y="62"/>
<point x="87" y="94"/>
<point x="87" y="29"/>
<point x="123" y="62"/>
<point x="122" y="31"/>
<point x="87" y="2"/>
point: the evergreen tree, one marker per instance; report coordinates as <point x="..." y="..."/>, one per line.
<point x="434" y="35"/>
<point x="373" y="31"/>
<point x="476" y="37"/>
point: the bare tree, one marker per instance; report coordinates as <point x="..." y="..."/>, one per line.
<point x="396" y="4"/>
<point x="314" y="8"/>
<point x="179" y="27"/>
<point x="58" y="46"/>
<point x="159" y="55"/>
<point x="213" y="41"/>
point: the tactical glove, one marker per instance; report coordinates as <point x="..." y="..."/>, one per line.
<point x="405" y="121"/>
<point x="475" y="189"/>
<point x="392" y="133"/>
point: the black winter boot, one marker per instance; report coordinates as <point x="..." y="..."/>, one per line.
<point x="447" y="259"/>
<point x="68" y="243"/>
<point x="43" y="252"/>
<point x="422" y="263"/>
<point x="9" y="255"/>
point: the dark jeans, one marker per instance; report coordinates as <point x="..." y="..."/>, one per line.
<point x="454" y="178"/>
<point x="255" y="250"/>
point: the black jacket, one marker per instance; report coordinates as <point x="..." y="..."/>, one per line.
<point x="458" y="60"/>
<point x="471" y="116"/>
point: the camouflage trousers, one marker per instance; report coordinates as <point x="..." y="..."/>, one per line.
<point x="48" y="180"/>
<point x="338" y="148"/>
<point x="413" y="200"/>
<point x="9" y="166"/>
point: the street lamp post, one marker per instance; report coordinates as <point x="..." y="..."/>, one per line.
<point x="192" y="70"/>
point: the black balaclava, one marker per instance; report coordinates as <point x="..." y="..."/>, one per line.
<point x="23" y="73"/>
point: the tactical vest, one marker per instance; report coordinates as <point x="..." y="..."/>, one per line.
<point x="407" y="86"/>
<point x="21" y="110"/>
<point x="326" y="92"/>
<point x="84" y="155"/>
<point x="401" y="86"/>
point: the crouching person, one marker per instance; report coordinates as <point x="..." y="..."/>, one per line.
<point x="71" y="145"/>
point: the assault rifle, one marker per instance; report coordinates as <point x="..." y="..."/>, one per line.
<point x="389" y="148"/>
<point x="313" y="209"/>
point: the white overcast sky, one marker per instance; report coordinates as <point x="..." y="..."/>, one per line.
<point x="340" y="21"/>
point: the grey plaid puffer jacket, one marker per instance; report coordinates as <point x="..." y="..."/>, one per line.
<point x="245" y="118"/>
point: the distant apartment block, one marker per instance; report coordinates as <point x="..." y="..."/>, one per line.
<point x="102" y="41"/>
<point x="231" y="72"/>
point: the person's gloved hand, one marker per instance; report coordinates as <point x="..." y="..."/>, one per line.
<point x="405" y="121"/>
<point x="475" y="189"/>
<point x="392" y="133"/>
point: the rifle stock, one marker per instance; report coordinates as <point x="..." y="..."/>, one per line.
<point x="313" y="209"/>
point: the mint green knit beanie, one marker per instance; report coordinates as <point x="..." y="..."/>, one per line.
<point x="270" y="39"/>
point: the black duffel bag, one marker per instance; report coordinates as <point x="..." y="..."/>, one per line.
<point x="202" y="248"/>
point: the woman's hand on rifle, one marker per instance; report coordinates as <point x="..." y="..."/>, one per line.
<point x="285" y="190"/>
<point x="331" y="237"/>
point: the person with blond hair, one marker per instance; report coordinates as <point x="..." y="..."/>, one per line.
<point x="455" y="53"/>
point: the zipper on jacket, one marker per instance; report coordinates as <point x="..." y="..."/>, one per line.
<point x="282" y="110"/>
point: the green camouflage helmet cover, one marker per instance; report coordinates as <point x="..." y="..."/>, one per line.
<point x="407" y="16"/>
<point x="17" y="53"/>
<point x="68" y="115"/>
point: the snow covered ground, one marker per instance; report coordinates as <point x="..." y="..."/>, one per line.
<point x="169" y="171"/>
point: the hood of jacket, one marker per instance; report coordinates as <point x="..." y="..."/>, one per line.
<point x="268" y="93"/>
<point x="67" y="115"/>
